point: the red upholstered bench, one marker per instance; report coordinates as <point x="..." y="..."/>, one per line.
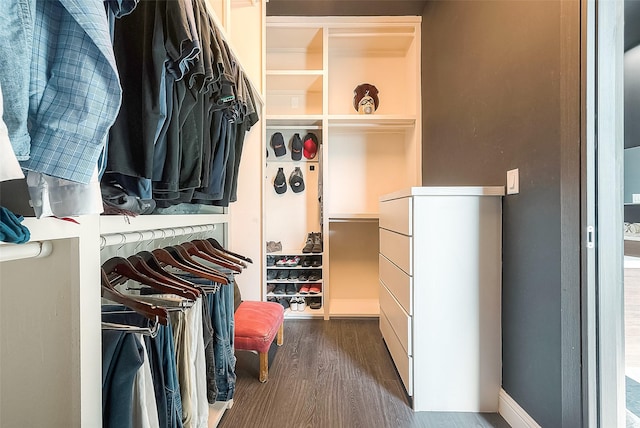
<point x="256" y="325"/>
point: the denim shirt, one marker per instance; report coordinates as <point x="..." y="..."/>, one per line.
<point x="75" y="92"/>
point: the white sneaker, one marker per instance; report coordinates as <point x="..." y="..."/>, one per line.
<point x="301" y="304"/>
<point x="293" y="304"/>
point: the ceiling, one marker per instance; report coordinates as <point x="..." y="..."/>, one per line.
<point x="345" y="7"/>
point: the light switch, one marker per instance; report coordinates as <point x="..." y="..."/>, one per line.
<point x="513" y="182"/>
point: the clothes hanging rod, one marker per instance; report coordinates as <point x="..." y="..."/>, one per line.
<point x="29" y="250"/>
<point x="147" y="235"/>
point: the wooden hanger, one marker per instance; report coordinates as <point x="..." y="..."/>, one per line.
<point x="206" y="246"/>
<point x="152" y="312"/>
<point x="166" y="256"/>
<point x="217" y="245"/>
<point x="193" y="250"/>
<point x="124" y="268"/>
<point x="152" y="262"/>
<point x="140" y="265"/>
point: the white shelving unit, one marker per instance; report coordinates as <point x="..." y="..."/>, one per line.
<point x="312" y="68"/>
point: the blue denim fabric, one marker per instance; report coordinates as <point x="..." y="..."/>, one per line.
<point x="223" y="326"/>
<point x="221" y="311"/>
<point x="161" y="354"/>
<point x="122" y="356"/>
<point x="16" y="41"/>
<point x="209" y="354"/>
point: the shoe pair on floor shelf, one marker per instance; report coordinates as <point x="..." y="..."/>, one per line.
<point x="297" y="304"/>
<point x="314" y="243"/>
<point x="294" y="261"/>
<point x="293" y="275"/>
<point x="292" y="289"/>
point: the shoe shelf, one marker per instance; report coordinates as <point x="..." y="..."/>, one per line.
<point x="286" y="296"/>
<point x="293" y="267"/>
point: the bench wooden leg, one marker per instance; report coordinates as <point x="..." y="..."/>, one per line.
<point x="264" y="366"/>
<point x="280" y="337"/>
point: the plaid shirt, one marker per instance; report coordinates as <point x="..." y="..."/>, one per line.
<point x="75" y="92"/>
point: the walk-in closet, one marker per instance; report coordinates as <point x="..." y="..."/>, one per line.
<point x="307" y="196"/>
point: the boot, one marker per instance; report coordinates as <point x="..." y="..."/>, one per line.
<point x="309" y="245"/>
<point x="317" y="243"/>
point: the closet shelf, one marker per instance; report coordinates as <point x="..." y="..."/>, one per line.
<point x="294" y="82"/>
<point x="291" y="39"/>
<point x="354" y="307"/>
<point x="123" y="224"/>
<point x="372" y="121"/>
<point x="53" y="228"/>
<point x="370" y="44"/>
<point x="353" y="217"/>
<point x="294" y="120"/>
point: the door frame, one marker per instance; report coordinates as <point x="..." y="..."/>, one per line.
<point x="603" y="303"/>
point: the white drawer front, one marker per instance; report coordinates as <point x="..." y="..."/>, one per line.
<point x="397" y="248"/>
<point x="396" y="215"/>
<point x="397" y="281"/>
<point x="402" y="361"/>
<point x="400" y="321"/>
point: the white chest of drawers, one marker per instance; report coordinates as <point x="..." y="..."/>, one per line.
<point x="440" y="288"/>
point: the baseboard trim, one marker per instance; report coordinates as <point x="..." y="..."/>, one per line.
<point x="515" y="415"/>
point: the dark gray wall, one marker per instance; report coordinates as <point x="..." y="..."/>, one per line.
<point x="501" y="88"/>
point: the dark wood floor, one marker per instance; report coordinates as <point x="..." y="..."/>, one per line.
<point x="332" y="374"/>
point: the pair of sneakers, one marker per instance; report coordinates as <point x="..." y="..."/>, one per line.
<point x="297" y="304"/>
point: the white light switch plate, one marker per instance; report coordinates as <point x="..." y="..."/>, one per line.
<point x="513" y="182"/>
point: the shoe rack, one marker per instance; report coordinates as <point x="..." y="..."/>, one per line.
<point x="313" y="65"/>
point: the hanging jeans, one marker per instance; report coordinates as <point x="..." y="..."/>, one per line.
<point x="162" y="358"/>
<point x="221" y="311"/>
<point x="122" y="356"/>
<point x="223" y="327"/>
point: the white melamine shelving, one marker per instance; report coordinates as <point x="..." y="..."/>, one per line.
<point x="313" y="66"/>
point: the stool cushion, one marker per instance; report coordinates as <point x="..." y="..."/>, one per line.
<point x="256" y="324"/>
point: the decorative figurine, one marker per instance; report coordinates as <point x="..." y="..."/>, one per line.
<point x="365" y="99"/>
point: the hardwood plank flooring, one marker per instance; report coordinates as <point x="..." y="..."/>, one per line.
<point x="332" y="374"/>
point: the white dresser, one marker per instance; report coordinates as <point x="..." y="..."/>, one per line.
<point x="440" y="287"/>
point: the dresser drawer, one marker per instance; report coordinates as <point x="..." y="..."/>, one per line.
<point x="402" y="361"/>
<point x="396" y="215"/>
<point x="397" y="248"/>
<point x="397" y="281"/>
<point x="400" y="321"/>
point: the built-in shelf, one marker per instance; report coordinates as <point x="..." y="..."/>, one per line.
<point x="294" y="81"/>
<point x="123" y="224"/>
<point x="53" y="228"/>
<point x="372" y="121"/>
<point x="354" y="307"/>
<point x="274" y="121"/>
<point x="371" y="44"/>
<point x="353" y="216"/>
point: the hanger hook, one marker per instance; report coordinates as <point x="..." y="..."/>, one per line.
<point x="124" y="241"/>
<point x="140" y="241"/>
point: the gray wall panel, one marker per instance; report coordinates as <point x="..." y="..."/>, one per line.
<point x="494" y="100"/>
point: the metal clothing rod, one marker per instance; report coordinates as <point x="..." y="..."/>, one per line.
<point x="146" y="235"/>
<point x="29" y="250"/>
